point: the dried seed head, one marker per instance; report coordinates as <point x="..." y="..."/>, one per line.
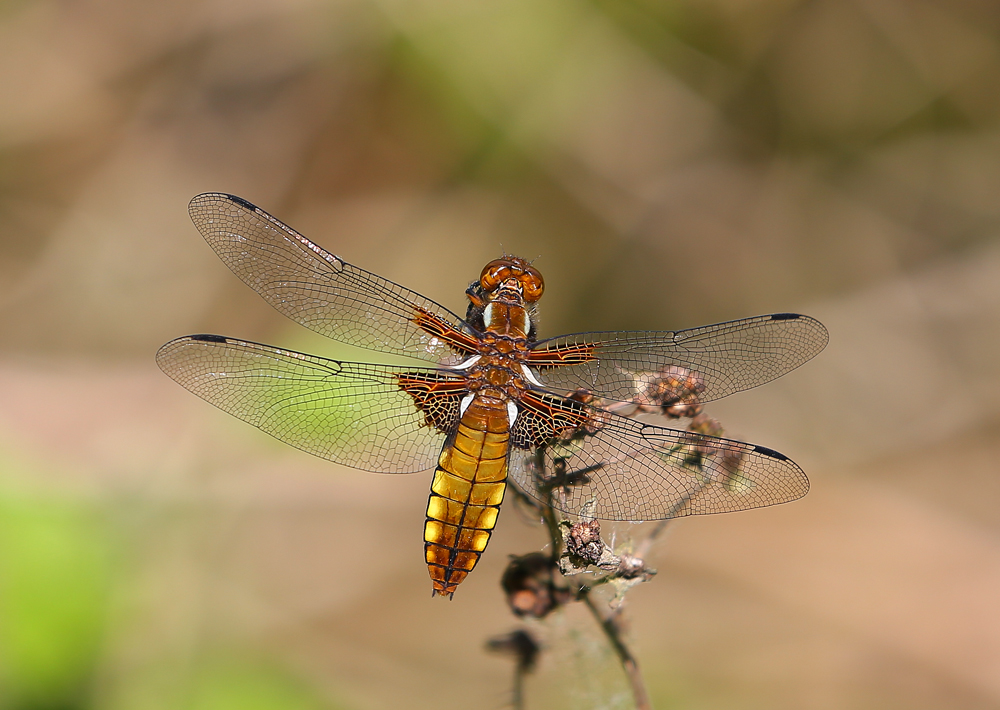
<point x="673" y="392"/>
<point x="583" y="547"/>
<point x="597" y="417"/>
<point x="584" y="541"/>
<point x="704" y="424"/>
<point x="631" y="567"/>
<point x="529" y="584"/>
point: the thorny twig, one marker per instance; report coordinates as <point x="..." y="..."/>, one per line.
<point x="530" y="581"/>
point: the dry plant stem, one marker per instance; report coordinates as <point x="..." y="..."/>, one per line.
<point x="548" y="512"/>
<point x="517" y="702"/>
<point x="631" y="666"/>
<point x="608" y="624"/>
<point x="552" y="524"/>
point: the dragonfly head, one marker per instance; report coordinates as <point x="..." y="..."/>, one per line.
<point x="512" y="273"/>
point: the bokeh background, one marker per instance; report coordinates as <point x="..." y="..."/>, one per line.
<point x="670" y="163"/>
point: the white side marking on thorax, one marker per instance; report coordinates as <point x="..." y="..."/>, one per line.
<point x="511" y="412"/>
<point x="529" y="376"/>
<point x="466" y="401"/>
<point x="467" y="364"/>
<point x="488" y="315"/>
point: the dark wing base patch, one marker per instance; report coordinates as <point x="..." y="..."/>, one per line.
<point x="543" y="419"/>
<point x="438" y="396"/>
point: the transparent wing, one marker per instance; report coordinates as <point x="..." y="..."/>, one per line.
<point x="633" y="471"/>
<point x="319" y="290"/>
<point x="728" y="357"/>
<point x="351" y="413"/>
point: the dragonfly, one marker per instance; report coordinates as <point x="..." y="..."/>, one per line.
<point x="485" y="403"/>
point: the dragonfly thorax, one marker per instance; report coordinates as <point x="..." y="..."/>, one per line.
<point x="507" y="317"/>
<point x="496" y="376"/>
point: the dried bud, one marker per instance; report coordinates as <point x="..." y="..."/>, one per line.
<point x="584" y="396"/>
<point x="631" y="567"/>
<point x="718" y="461"/>
<point x="529" y="584"/>
<point x="673" y="392"/>
<point x="596" y="417"/>
<point x="583" y="547"/>
<point x="681" y="411"/>
<point x="731" y="467"/>
<point x="584" y="541"/>
<point x="704" y="424"/>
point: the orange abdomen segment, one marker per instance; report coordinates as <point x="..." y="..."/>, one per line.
<point x="468" y="487"/>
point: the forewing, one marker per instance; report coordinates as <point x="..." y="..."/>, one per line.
<point x="352" y="413"/>
<point x="730" y="357"/>
<point x="322" y="291"/>
<point x="632" y="471"/>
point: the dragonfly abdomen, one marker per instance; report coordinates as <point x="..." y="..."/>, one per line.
<point x="468" y="487"/>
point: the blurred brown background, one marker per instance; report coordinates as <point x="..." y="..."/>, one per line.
<point x="670" y="163"/>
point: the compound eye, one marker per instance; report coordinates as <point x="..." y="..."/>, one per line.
<point x="532" y="285"/>
<point x="494" y="273"/>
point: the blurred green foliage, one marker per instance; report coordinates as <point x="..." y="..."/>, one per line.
<point x="57" y="566"/>
<point x="62" y="569"/>
<point x="234" y="686"/>
<point x="222" y="680"/>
